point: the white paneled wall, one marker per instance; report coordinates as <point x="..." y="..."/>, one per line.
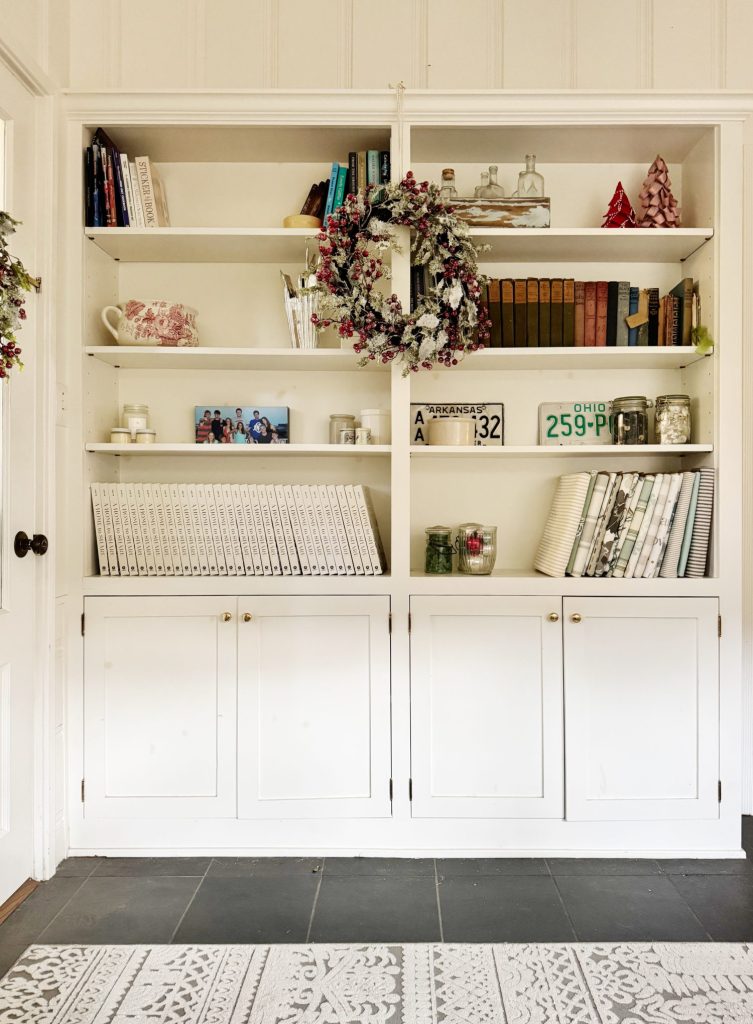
<point x="37" y="33"/>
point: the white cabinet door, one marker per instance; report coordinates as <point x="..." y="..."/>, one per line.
<point x="641" y="708"/>
<point x="160" y="696"/>
<point x="314" y="707"/>
<point x="486" y="707"/>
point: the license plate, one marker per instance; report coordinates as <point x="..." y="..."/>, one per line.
<point x="562" y="423"/>
<point x="489" y="417"/>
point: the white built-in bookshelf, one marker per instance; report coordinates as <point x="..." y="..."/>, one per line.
<point x="232" y="167"/>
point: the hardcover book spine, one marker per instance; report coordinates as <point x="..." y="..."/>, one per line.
<point x="360" y="534"/>
<point x="197" y="530"/>
<point x="507" y="317"/>
<point x="361" y="162"/>
<point x="545" y="312"/>
<point x="182" y="529"/>
<point x="287" y="530"/>
<point x="352" y="174"/>
<point x="268" y="528"/>
<point x="674" y="311"/>
<point x="138" y="208"/>
<point x="161" y="514"/>
<point x="112" y="210"/>
<point x="316" y="536"/>
<point x="580" y="314"/>
<point x="349" y="528"/>
<point x="340" y="532"/>
<point x="385" y="167"/>
<point x="495" y="314"/>
<point x="125" y="175"/>
<point x="98" y="196"/>
<point x="116" y="555"/>
<point x="277" y="531"/>
<point x="653" y="316"/>
<point x="222" y="531"/>
<point x="171" y="529"/>
<point x="214" y="536"/>
<point x="308" y="539"/>
<point x="207" y="529"/>
<point x="557" y="311"/>
<point x="297" y="530"/>
<point x="662" y="335"/>
<point x="153" y="527"/>
<point x="623" y="311"/>
<point x="568" y="312"/>
<point x="145" y="527"/>
<point x="331" y="189"/>
<point x="89" y="187"/>
<point x="138" y="541"/>
<point x="371" y="529"/>
<point x="342" y="177"/>
<point x="125" y="524"/>
<point x="602" y="292"/>
<point x="257" y="540"/>
<point x="372" y="166"/>
<point x="521" y="314"/>
<point x="234" y="530"/>
<point x="589" y="327"/>
<point x="240" y="511"/>
<point x="684" y="293"/>
<point x="146" y="189"/>
<point x="532" y="317"/>
<point x="99" y="531"/>
<point x="633" y="308"/>
<point x="329" y="523"/>
<point x="612" y="289"/>
<point x="321" y="524"/>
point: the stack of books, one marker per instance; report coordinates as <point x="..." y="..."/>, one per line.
<point x="121" y="193"/>
<point x="631" y="525"/>
<point x="365" y="167"/>
<point x="551" y="312"/>
<point x="236" y="530"/>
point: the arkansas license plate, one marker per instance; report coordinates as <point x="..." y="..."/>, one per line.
<point x="562" y="423"/>
<point x="489" y="417"/>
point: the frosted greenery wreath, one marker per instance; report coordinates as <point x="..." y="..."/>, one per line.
<point x="14" y="281"/>
<point x="446" y="323"/>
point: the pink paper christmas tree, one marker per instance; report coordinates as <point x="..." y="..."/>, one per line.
<point x="659" y="207"/>
<point x="620" y="213"/>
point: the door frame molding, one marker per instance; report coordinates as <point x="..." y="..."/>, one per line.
<point x="42" y="88"/>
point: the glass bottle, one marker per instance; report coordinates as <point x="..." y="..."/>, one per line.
<point x="492" y="190"/>
<point x="530" y="182"/>
<point x="448" y="190"/>
<point x="438" y="550"/>
<point x="484" y="184"/>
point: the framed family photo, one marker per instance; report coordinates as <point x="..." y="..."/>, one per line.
<point x="241" y="424"/>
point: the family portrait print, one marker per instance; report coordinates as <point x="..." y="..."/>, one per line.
<point x="241" y="424"/>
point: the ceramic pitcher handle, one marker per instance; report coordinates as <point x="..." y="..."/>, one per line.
<point x="107" y="323"/>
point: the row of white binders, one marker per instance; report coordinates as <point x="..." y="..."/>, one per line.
<point x="236" y="530"/>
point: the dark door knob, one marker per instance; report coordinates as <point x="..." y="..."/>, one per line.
<point x="37" y="544"/>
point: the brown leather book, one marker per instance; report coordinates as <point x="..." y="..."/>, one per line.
<point x="589" y="327"/>
<point x="508" y="312"/>
<point x="602" y="298"/>
<point x="580" y="313"/>
<point x="532" y="320"/>
<point x="568" y="312"/>
<point x="556" y="311"/>
<point x="545" y="323"/>
<point x="521" y="313"/>
<point x="495" y="340"/>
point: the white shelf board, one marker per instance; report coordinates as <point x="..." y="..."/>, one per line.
<point x="528" y="451"/>
<point x="148" y="357"/>
<point x="240" y="451"/>
<point x="522" y="583"/>
<point x="589" y="245"/>
<point x="639" y="357"/>
<point x="202" y="586"/>
<point x="203" y="245"/>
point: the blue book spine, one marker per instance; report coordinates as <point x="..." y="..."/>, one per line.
<point x="342" y="179"/>
<point x="633" y="308"/>
<point x="372" y="167"/>
<point x="331" y="190"/>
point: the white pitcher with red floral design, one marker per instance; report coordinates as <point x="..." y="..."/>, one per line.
<point x="155" y="322"/>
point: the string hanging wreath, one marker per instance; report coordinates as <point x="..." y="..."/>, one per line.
<point x="446" y="323"/>
<point x="14" y="281"/>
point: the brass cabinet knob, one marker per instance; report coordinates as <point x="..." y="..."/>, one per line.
<point x="553" y="617"/>
<point x="575" y="617"/>
<point x="227" y="616"/>
<point x="247" y="617"/>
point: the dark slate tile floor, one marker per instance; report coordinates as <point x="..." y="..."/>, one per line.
<point x="380" y="899"/>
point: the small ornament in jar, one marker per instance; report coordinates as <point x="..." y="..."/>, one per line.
<point x="477" y="549"/>
<point x="438" y="550"/>
<point x="672" y="422"/>
<point x="630" y="419"/>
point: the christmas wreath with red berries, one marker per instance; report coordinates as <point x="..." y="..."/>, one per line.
<point x="14" y="281"/>
<point x="446" y="322"/>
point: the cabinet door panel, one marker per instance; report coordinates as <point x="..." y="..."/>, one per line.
<point x="160" y="707"/>
<point x="486" y="707"/>
<point x="314" y="707"/>
<point x="641" y="708"/>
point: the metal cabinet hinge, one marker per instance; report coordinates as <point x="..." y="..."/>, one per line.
<point x="720" y="790"/>
<point x="83" y="787"/>
<point x="83" y="623"/>
<point x="390" y="790"/>
<point x="720" y="625"/>
<point x="410" y="789"/>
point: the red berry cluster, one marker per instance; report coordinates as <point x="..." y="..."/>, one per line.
<point x="9" y="355"/>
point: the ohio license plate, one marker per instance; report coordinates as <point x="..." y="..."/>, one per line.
<point x="489" y="417"/>
<point x="562" y="423"/>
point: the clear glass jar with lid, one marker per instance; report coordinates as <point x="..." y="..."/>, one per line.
<point x="340" y="421"/>
<point x="438" y="550"/>
<point x="448" y="190"/>
<point x="630" y="419"/>
<point x="673" y="423"/>
<point x="136" y="417"/>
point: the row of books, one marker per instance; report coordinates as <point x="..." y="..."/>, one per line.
<point x="121" y="193"/>
<point x="632" y="525"/>
<point x="235" y="530"/>
<point x="551" y="312"/>
<point x="364" y="167"/>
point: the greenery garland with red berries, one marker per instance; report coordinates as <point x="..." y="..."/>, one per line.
<point x="14" y="281"/>
<point x="446" y="322"/>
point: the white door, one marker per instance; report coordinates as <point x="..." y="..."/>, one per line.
<point x="21" y="580"/>
<point x="486" y="707"/>
<point x="313" y="707"/>
<point x="641" y="708"/>
<point x="159" y="707"/>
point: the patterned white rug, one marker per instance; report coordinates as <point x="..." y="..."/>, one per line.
<point x="626" y="983"/>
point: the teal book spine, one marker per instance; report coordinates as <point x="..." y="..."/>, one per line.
<point x="342" y="181"/>
<point x="331" y="190"/>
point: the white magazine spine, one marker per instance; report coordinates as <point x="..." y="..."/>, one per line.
<point x="171" y="529"/>
<point x="308" y="538"/>
<point x="181" y="530"/>
<point x="198" y="529"/>
<point x="144" y="526"/>
<point x="355" y="514"/>
<point x="162" y="513"/>
<point x="329" y="524"/>
<point x="241" y="525"/>
<point x="266" y="520"/>
<point x="340" y="532"/>
<point x="120" y="537"/>
<point x="287" y="530"/>
<point x="206" y="527"/>
<point x="282" y="535"/>
<point x="310" y="504"/>
<point x="261" y="533"/>
<point x="248" y="498"/>
<point x="222" y="532"/>
<point x="349" y="529"/>
<point x="99" y="531"/>
<point x="138" y="541"/>
<point x="368" y="519"/>
<point x="109" y="525"/>
<point x="153" y="527"/>
<point x="233" y="529"/>
<point x="136" y="192"/>
<point x="299" y="543"/>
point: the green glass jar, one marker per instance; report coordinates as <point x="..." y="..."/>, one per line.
<point x="438" y="550"/>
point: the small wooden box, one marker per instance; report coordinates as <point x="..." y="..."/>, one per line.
<point x="504" y="213"/>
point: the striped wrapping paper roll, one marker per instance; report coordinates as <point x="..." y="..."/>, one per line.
<point x="699" y="543"/>
<point x="562" y="525"/>
<point x="674" y="545"/>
